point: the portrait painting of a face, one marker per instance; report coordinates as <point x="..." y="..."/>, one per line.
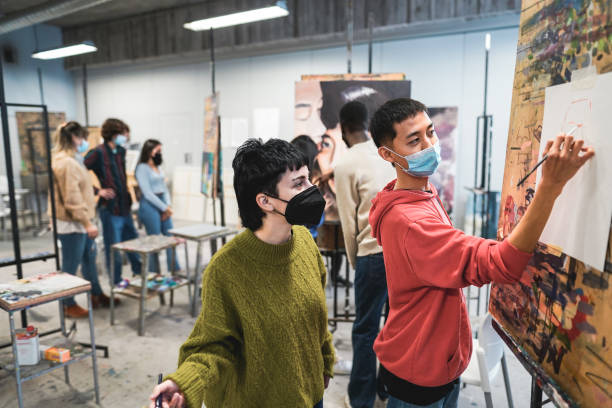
<point x="317" y="108"/>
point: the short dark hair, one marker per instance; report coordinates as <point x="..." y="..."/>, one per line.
<point x="307" y="147"/>
<point x="354" y="116"/>
<point x="258" y="167"/>
<point x="112" y="127"/>
<point x="393" y="111"/>
<point x="147" y="148"/>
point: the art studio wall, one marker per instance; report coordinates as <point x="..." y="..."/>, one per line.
<point x="167" y="102"/>
<point x="21" y="80"/>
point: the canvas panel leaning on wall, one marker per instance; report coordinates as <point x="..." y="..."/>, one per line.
<point x="445" y="122"/>
<point x="559" y="314"/>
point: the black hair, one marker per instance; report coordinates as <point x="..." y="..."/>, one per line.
<point x="307" y="147"/>
<point x="258" y="167"/>
<point x="394" y="111"/>
<point x="354" y="116"/>
<point x="147" y="148"/>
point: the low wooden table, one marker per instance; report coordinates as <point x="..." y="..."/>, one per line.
<point x="145" y="246"/>
<point x="35" y="291"/>
<point x="200" y="233"/>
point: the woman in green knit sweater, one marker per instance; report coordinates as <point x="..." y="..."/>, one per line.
<point x="261" y="339"/>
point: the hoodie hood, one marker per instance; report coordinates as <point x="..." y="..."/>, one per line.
<point x="388" y="198"/>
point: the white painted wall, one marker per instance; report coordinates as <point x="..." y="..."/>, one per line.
<point x="21" y="81"/>
<point x="167" y="102"/>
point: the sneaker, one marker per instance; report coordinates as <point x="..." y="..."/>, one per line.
<point x="343" y="367"/>
<point x="122" y="285"/>
<point x="75" y="312"/>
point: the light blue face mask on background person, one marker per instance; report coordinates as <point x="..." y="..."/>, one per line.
<point x="120" y="140"/>
<point x="423" y="163"/>
<point x="83" y="147"/>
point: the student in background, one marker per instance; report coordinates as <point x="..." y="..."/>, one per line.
<point x="75" y="211"/>
<point x="309" y="149"/>
<point x="107" y="161"/>
<point x="154" y="210"/>
<point x="261" y="339"/>
<point x="359" y="177"/>
<point x="426" y="342"/>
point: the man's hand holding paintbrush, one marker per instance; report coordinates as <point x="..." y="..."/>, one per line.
<point x="563" y="158"/>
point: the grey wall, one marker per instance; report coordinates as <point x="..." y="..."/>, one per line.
<point x="159" y="34"/>
<point x="21" y="81"/>
<point x="167" y="101"/>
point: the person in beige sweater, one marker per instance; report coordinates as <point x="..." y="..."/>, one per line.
<point x="359" y="177"/>
<point x="75" y="209"/>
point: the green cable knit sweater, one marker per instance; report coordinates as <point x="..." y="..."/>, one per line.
<point x="261" y="339"/>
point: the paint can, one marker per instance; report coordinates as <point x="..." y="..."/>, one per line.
<point x="27" y="345"/>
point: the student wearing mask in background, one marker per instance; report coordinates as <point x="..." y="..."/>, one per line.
<point x="154" y="210"/>
<point x="261" y="339"/>
<point x="426" y="343"/>
<point x="75" y="211"/>
<point x="107" y="161"/>
<point x="359" y="177"/>
<point x="309" y="149"/>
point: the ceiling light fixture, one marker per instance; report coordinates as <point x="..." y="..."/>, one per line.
<point x="66" y="51"/>
<point x="266" y="13"/>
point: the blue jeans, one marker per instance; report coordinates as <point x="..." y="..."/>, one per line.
<point x="370" y="298"/>
<point x="115" y="229"/>
<point x="319" y="404"/>
<point x="151" y="218"/>
<point x="79" y="249"/>
<point x="450" y="401"/>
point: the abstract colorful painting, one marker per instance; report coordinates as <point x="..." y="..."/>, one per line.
<point x="445" y="123"/>
<point x="559" y="313"/>
<point x="210" y="151"/>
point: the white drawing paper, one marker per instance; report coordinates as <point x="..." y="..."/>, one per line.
<point x="234" y="131"/>
<point x="266" y="123"/>
<point x="580" y="220"/>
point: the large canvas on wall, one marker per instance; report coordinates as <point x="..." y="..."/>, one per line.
<point x="559" y="313"/>
<point x="317" y="106"/>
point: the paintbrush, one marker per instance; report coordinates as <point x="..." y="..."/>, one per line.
<point x="521" y="181"/>
<point x="158" y="400"/>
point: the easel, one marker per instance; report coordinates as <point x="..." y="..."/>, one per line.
<point x="539" y="380"/>
<point x="18" y="260"/>
<point x="219" y="186"/>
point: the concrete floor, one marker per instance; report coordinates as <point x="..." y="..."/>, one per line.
<point x="128" y="375"/>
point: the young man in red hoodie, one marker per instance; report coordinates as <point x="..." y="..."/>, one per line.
<point x="427" y="341"/>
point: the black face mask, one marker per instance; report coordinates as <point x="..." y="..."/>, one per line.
<point x="157" y="159"/>
<point x="305" y="208"/>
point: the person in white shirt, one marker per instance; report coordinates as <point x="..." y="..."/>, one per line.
<point x="359" y="177"/>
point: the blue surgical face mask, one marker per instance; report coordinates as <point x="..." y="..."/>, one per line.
<point x="120" y="140"/>
<point x="423" y="163"/>
<point x="83" y="147"/>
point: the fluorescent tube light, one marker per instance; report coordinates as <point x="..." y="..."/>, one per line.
<point x="266" y="13"/>
<point x="66" y="51"/>
<point x="488" y="41"/>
